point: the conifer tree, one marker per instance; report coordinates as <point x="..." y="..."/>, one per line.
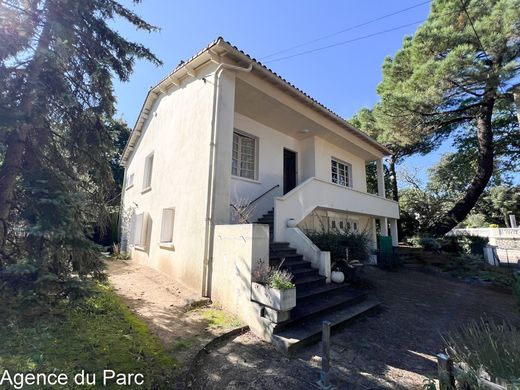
<point x="457" y="71"/>
<point x="57" y="61"/>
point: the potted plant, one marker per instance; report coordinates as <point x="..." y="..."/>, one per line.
<point x="274" y="288"/>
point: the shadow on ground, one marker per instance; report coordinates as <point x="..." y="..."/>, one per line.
<point x="394" y="349"/>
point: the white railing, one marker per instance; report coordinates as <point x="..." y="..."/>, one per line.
<point x="487" y="232"/>
<point x="294" y="206"/>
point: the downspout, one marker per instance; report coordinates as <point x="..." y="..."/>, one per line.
<point x="210" y="203"/>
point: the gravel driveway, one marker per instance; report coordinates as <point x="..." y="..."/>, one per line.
<point x="393" y="349"/>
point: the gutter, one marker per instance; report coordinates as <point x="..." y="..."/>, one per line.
<point x="210" y="208"/>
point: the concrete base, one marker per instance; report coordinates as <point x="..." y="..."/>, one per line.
<point x="277" y="316"/>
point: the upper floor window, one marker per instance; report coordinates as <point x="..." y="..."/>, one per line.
<point x="341" y="173"/>
<point x="130" y="181"/>
<point x="244" y="156"/>
<point x="148" y="168"/>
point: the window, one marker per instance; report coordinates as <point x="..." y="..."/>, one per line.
<point x="340" y="173"/>
<point x="148" y="168"/>
<point x="139" y="230"/>
<point x="130" y="181"/>
<point x="341" y="224"/>
<point x="244" y="156"/>
<point x="168" y="216"/>
<point x="333" y="224"/>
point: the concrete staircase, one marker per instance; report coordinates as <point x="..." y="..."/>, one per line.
<point x="316" y="301"/>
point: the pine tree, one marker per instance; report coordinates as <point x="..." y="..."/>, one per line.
<point x="57" y="60"/>
<point x="457" y="70"/>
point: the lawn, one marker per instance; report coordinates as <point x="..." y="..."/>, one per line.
<point x="94" y="334"/>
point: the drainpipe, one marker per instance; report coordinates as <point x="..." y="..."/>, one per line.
<point x="210" y="208"/>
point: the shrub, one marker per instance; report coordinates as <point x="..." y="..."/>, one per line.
<point x="464" y="244"/>
<point x="277" y="278"/>
<point x="493" y="226"/>
<point x="414" y="241"/>
<point x="430" y="244"/>
<point x="336" y="242"/>
<point x="280" y="279"/>
<point x="485" y="344"/>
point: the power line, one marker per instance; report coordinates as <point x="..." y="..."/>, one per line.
<point x="347" y="41"/>
<point x="345" y="30"/>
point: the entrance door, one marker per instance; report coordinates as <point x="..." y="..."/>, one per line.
<point x="289" y="170"/>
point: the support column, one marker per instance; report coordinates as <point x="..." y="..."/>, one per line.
<point x="393" y="232"/>
<point x="384" y="226"/>
<point x="374" y="233"/>
<point x="380" y="178"/>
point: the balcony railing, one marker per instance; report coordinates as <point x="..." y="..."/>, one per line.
<point x="314" y="192"/>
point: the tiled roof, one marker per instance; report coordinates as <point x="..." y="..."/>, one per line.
<point x="219" y="41"/>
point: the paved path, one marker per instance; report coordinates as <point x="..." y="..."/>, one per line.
<point x="393" y="349"/>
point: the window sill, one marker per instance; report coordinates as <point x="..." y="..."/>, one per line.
<point x="130" y="186"/>
<point x="145" y="190"/>
<point x="140" y="248"/>
<point x="246" y="179"/>
<point x="167" y="245"/>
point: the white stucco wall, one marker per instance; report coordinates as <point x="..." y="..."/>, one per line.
<point x="178" y="133"/>
<point x="313" y="159"/>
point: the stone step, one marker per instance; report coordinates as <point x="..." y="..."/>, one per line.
<point x="305" y="295"/>
<point x="310" y="282"/>
<point x="301" y="333"/>
<point x="323" y="304"/>
<point x="282" y="252"/>
<point x="278" y="244"/>
<point x="289" y="258"/>
<point x="304" y="272"/>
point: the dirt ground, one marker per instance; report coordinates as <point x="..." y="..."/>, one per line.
<point x="393" y="349"/>
<point x="179" y="317"/>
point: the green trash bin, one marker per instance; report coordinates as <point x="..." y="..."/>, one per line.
<point x="386" y="254"/>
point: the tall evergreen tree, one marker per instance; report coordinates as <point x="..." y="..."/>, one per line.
<point x="57" y="60"/>
<point x="457" y="70"/>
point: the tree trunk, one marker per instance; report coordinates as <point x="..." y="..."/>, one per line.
<point x="15" y="142"/>
<point x="393" y="177"/>
<point x="484" y="170"/>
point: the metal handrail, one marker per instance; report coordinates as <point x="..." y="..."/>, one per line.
<point x="253" y="201"/>
<point x="269" y="190"/>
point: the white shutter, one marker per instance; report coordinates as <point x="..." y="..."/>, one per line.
<point x="144" y="230"/>
<point x="138" y="227"/>
<point x="168" y="216"/>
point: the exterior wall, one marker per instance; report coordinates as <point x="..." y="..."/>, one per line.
<point x="270" y="164"/>
<point x="313" y="160"/>
<point x="324" y="151"/>
<point x="178" y="133"/>
<point x="239" y="251"/>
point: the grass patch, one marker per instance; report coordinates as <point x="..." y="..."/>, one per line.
<point x="93" y="334"/>
<point x="219" y="319"/>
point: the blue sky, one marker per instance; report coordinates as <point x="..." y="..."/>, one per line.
<point x="343" y="78"/>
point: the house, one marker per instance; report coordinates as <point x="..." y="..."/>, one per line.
<point x="223" y="139"/>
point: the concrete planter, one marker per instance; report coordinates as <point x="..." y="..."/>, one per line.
<point x="279" y="300"/>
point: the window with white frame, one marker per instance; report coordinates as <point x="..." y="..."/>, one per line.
<point x="139" y="230"/>
<point x="340" y="173"/>
<point x="148" y="169"/>
<point x="244" y="155"/>
<point x="130" y="181"/>
<point x="167" y="222"/>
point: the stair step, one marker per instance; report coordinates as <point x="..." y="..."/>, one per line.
<point x="278" y="244"/>
<point x="332" y="302"/>
<point x="289" y="258"/>
<point x="304" y="272"/>
<point x="309" y="282"/>
<point x="301" y="333"/>
<point x="305" y="295"/>
<point x="281" y="252"/>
